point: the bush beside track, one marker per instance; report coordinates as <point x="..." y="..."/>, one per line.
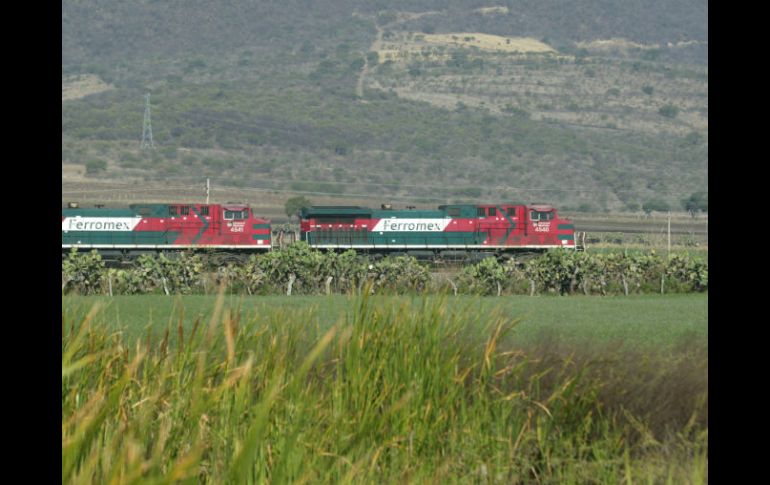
<point x="299" y="269"/>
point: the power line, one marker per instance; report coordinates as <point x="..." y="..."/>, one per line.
<point x="424" y="186"/>
<point x="244" y="189"/>
<point x="367" y="196"/>
<point x="128" y="191"/>
<point x="231" y="188"/>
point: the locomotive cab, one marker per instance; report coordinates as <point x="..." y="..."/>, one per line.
<point x="241" y="227"/>
<point x="539" y="213"/>
<point x="234" y="218"/>
<point x="544" y="223"/>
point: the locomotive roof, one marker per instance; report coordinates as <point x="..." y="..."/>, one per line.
<point x="353" y="207"/>
<point x="334" y="210"/>
<point x="444" y="206"/>
<point x="97" y="212"/>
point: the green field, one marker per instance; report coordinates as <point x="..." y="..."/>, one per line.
<point x="644" y="320"/>
<point x="509" y="390"/>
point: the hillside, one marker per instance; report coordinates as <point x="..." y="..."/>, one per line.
<point x="601" y="106"/>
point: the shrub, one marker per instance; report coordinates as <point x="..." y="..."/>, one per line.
<point x="690" y="272"/>
<point x="556" y="270"/>
<point x="655" y="205"/>
<point x="399" y="275"/>
<point x="560" y="271"/>
<point x="669" y="111"/>
<point x="177" y="273"/>
<point x="95" y="166"/>
<point x="698" y="201"/>
<point x="296" y="203"/>
<point x="249" y="276"/>
<point x="82" y="272"/>
<point x="485" y="278"/>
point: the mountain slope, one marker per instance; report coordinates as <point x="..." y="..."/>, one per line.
<point x="396" y="99"/>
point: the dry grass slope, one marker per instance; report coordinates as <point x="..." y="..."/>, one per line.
<point x="529" y="76"/>
<point x="405" y="46"/>
<point x="76" y="87"/>
<point x="489" y="42"/>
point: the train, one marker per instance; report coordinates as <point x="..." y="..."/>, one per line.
<point x="230" y="229"/>
<point x="452" y="231"/>
<point x="455" y="230"/>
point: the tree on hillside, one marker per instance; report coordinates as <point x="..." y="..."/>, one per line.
<point x="698" y="201"/>
<point x="668" y="110"/>
<point x="657" y="205"/>
<point x="296" y="203"/>
<point x="95" y="166"/>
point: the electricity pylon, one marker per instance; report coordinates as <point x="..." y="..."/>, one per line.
<point x="147" y="129"/>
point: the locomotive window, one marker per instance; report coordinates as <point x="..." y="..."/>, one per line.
<point x="205" y="210"/>
<point x="541" y="216"/>
<point x="511" y="211"/>
<point x="185" y="210"/>
<point x="492" y="211"/>
<point x="479" y="212"/>
<point x="237" y="215"/>
<point x="172" y="211"/>
<point x="454" y="212"/>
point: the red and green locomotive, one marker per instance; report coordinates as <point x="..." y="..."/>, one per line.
<point x="451" y="231"/>
<point x="447" y="231"/>
<point x="147" y="228"/>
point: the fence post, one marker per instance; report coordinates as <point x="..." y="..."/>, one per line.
<point x="292" y="277"/>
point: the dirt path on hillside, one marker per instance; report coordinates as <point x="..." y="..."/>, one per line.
<point x="367" y="68"/>
<point x="377" y="43"/>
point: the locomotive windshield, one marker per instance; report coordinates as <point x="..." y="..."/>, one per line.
<point x="541" y="215"/>
<point x="236" y="215"/>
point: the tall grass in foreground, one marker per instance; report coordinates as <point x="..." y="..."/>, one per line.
<point x="387" y="395"/>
